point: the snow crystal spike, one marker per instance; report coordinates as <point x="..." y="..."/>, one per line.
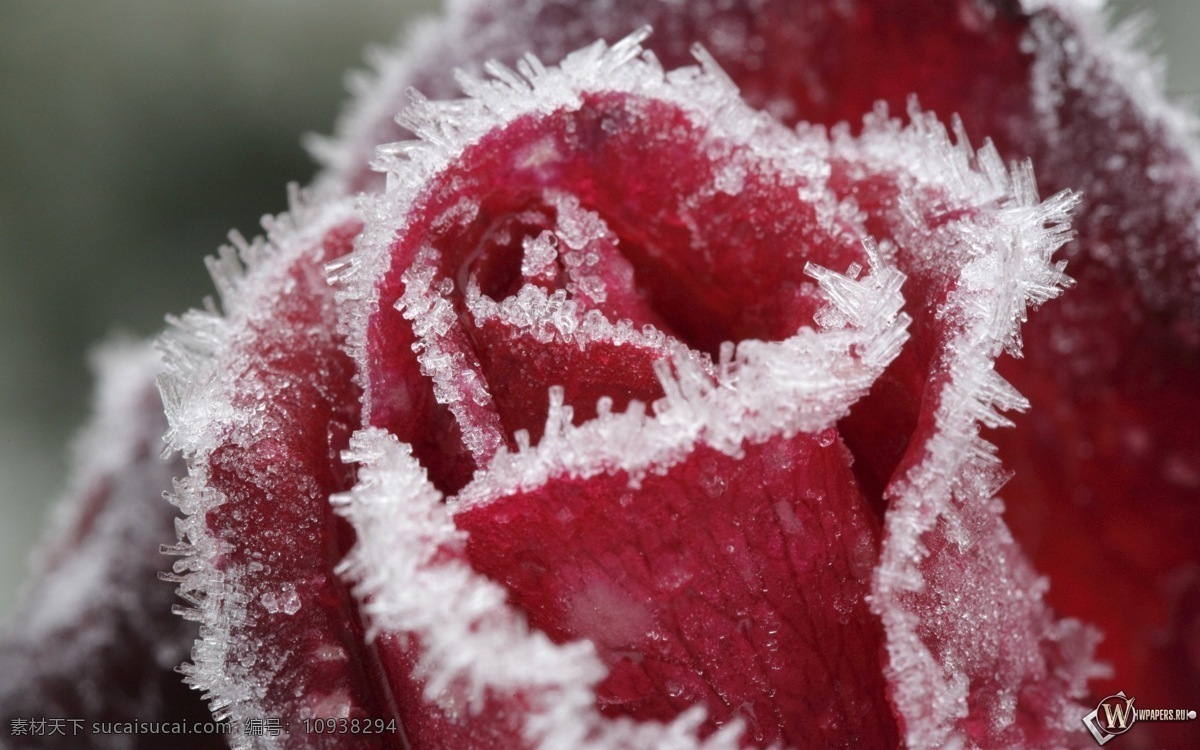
<point x="178" y="549"/>
<point x="531" y="68"/>
<point x="339" y="270"/>
<point x="990" y="163"/>
<point x="225" y="269"/>
<point x="960" y="135"/>
<point x="712" y="68"/>
<point x="872" y="249"/>
<point x="467" y="81"/>
<point x="626" y="49"/>
<point x="507" y="76"/>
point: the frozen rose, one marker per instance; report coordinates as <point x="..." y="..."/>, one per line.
<point x="1107" y="450"/>
<point x="579" y="517"/>
<point x="538" y="308"/>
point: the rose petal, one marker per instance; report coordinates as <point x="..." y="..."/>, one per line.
<point x="821" y="62"/>
<point x="1109" y="448"/>
<point x="261" y="401"/>
<point x="736" y="583"/>
<point x="466" y="669"/>
<point x="93" y="638"/>
<point x="672" y="196"/>
<point x="974" y="655"/>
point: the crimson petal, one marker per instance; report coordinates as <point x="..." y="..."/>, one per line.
<point x="736" y="583"/>
<point x="261" y="402"/>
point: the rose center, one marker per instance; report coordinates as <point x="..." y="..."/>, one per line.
<point x="576" y="249"/>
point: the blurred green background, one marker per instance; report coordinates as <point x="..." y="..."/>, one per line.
<point x="133" y="135"/>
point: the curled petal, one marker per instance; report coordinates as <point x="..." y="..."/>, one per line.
<point x="261" y="403"/>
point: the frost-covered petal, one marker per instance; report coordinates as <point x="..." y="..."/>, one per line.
<point x="734" y="582"/>
<point x="465" y="667"/>
<point x="261" y="402"/>
<point x="819" y="62"/>
<point x="1111" y="373"/>
<point x="93" y="638"/>
<point x="974" y="653"/>
<point x="649" y="152"/>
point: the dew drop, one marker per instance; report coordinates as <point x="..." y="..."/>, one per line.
<point x="289" y="602"/>
<point x="713" y="484"/>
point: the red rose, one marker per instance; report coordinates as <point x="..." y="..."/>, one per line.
<point x="625" y="414"/>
